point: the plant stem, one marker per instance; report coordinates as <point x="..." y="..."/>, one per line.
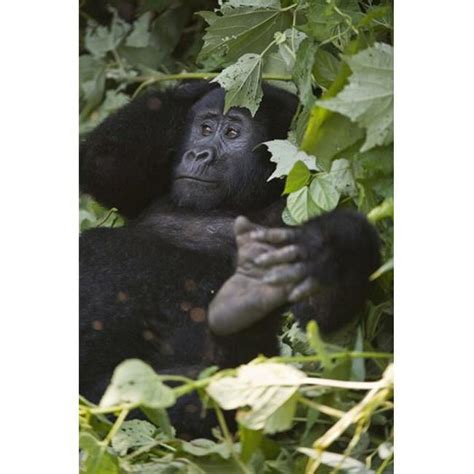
<point x="116" y="426"/>
<point x="228" y="438"/>
<point x="327" y="410"/>
<point x="197" y="75"/>
<point x="113" y="409"/>
<point x="336" y="355"/>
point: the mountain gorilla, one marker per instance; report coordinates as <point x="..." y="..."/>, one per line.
<point x="188" y="283"/>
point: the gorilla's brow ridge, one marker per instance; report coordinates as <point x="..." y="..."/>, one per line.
<point x="213" y="115"/>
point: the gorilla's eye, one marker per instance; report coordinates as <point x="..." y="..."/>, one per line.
<point x="206" y="129"/>
<point x="231" y="133"/>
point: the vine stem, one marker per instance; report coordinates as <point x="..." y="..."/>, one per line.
<point x="197" y="75"/>
<point x="336" y="355"/>
<point x="228" y="437"/>
<point x="116" y="426"/>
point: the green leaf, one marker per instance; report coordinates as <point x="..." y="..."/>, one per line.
<point x="250" y="441"/>
<point x="140" y="36"/>
<point x="95" y="459"/>
<point x="91" y="82"/>
<point x="342" y="177"/>
<point x="332" y="20"/>
<point x="382" y="211"/>
<point x="241" y="31"/>
<point x="358" y="364"/>
<point x="159" y="417"/>
<point x="301" y="207"/>
<point x="289" y="47"/>
<point x="264" y="388"/>
<point x="133" y="434"/>
<point x="254" y="3"/>
<point x="100" y="39"/>
<point x="326" y="137"/>
<point x="368" y="98"/>
<point x="136" y="383"/>
<point x="374" y="164"/>
<point x="242" y="82"/>
<point x="326" y="68"/>
<point x="317" y="344"/>
<point x="287" y="218"/>
<point x="285" y="155"/>
<point x="282" y="418"/>
<point x="340" y="461"/>
<point x="302" y="73"/>
<point x="323" y="192"/>
<point x="204" y="447"/>
<point x="297" y="178"/>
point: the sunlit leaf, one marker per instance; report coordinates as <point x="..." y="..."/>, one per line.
<point x="368" y="98"/>
<point x="95" y="459"/>
<point x="285" y="155"/>
<point x="242" y="82"/>
<point x="241" y="31"/>
<point x="136" y="383"/>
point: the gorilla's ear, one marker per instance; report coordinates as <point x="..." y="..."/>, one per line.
<point x="126" y="161"/>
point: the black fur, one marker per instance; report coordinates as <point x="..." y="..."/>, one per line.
<point x="146" y="287"/>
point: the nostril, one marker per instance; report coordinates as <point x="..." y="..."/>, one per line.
<point x="189" y="155"/>
<point x="203" y="155"/>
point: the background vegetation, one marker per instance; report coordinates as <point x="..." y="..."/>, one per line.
<point x="324" y="405"/>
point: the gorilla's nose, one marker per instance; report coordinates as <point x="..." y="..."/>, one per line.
<point x="205" y="156"/>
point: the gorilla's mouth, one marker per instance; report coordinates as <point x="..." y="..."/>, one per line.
<point x="193" y="178"/>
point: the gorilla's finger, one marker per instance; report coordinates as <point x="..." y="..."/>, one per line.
<point x="274" y="236"/>
<point x="309" y="287"/>
<point x="242" y="226"/>
<point x="286" y="274"/>
<point x="287" y="254"/>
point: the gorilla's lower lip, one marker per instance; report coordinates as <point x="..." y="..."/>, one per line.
<point x="193" y="178"/>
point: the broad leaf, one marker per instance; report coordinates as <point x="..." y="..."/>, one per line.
<point x="95" y="459"/>
<point x="344" y="463"/>
<point x="136" y="383"/>
<point x="285" y="155"/>
<point x="133" y="434"/>
<point x="368" y="98"/>
<point x="140" y="36"/>
<point x="382" y="211"/>
<point x="326" y="68"/>
<point x="254" y="3"/>
<point x="328" y="20"/>
<point x="301" y="207"/>
<point x="264" y="388"/>
<point x="328" y="134"/>
<point x="204" y="447"/>
<point x="323" y="192"/>
<point x="342" y="177"/>
<point x="242" y="82"/>
<point x="240" y="31"/>
<point x="297" y="178"/>
<point x="302" y="75"/>
<point x="99" y="39"/>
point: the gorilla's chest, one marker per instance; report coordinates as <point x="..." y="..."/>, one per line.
<point x="154" y="296"/>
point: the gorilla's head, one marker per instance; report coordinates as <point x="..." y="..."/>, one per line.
<point x="221" y="164"/>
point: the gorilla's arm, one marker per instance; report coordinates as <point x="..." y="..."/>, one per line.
<point x="125" y="162"/>
<point x="321" y="268"/>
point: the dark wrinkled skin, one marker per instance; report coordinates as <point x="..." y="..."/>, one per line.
<point x="185" y="284"/>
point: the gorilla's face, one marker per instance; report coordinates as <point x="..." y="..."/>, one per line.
<point x="220" y="164"/>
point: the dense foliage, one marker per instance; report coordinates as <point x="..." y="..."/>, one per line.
<point x="323" y="405"/>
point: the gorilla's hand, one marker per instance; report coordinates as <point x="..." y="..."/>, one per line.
<point x="270" y="273"/>
<point x="288" y="261"/>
